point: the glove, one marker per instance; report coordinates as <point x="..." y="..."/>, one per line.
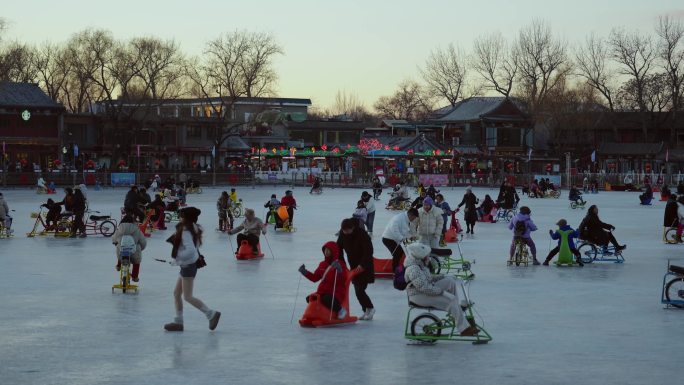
<point x="302" y="269"/>
<point x="612" y="227"/>
<point x="550" y="232"/>
<point x="448" y="295"/>
<point x="336" y="265"/>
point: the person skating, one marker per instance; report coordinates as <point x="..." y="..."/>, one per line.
<point x="597" y="232"/>
<point x="316" y="185"/>
<point x="79" y="207"/>
<point x="377" y="188"/>
<point x="570" y="239"/>
<point x="440" y="203"/>
<point x="522" y="226"/>
<point x="332" y="273"/>
<point x="5" y="218"/>
<point x="128" y="235"/>
<point x="225" y="215"/>
<point x="185" y="253"/>
<point x="354" y="241"/>
<point x="430" y="223"/>
<point x="370" y="209"/>
<point x="402" y="226"/>
<point x="253" y="227"/>
<point x="470" y="211"/>
<point x="131" y="204"/>
<point x="437" y="291"/>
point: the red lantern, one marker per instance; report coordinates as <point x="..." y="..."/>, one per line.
<point x="354" y="164"/>
<point x="90" y="164"/>
<point x="195" y="163"/>
<point x="611" y="165"/>
<point x="548" y="167"/>
<point x="648" y="167"/>
<point x="57" y="162"/>
<point x="122" y="162"/>
<point x="509" y="166"/>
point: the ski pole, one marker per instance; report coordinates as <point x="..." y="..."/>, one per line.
<point x="296" y="297"/>
<point x="332" y="301"/>
<point x="230" y="242"/>
<point x="269" y="246"/>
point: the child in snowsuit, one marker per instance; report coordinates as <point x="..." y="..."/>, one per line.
<point x="361" y="213"/>
<point x="332" y="273"/>
<point x="571" y="236"/>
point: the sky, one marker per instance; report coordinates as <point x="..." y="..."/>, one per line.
<point x="361" y="47"/>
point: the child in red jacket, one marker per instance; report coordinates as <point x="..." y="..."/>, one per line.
<point x="332" y="273"/>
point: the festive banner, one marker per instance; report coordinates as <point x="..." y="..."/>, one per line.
<point x="438" y="180"/>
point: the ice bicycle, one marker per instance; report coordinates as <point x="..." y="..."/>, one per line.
<point x="506" y="215"/>
<point x="673" y="287"/>
<point x="428" y="328"/>
<point x="124" y="283"/>
<point x="591" y="252"/>
<point x="521" y="255"/>
<point x="441" y="261"/>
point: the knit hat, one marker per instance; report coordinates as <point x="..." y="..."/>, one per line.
<point x="428" y="201"/>
<point x="562" y="223"/>
<point x="419" y="250"/>
<point x="190" y="213"/>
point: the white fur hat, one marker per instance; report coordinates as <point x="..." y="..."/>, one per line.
<point x="419" y="250"/>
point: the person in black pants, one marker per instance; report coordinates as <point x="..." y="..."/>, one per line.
<point x="400" y="227"/>
<point x="356" y="242"/>
<point x="131" y="204"/>
<point x="79" y="210"/>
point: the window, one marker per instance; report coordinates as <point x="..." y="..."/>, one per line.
<point x="194" y="133"/>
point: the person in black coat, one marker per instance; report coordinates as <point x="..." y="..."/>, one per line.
<point x="131" y="203"/>
<point x="597" y="232"/>
<point x="470" y="215"/>
<point x="79" y="207"/>
<point x="671" y="218"/>
<point x="356" y="243"/>
<point x="509" y="198"/>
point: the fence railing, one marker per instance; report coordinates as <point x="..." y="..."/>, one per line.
<point x="341" y="179"/>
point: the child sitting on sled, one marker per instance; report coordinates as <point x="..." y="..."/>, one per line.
<point x="332" y="273"/>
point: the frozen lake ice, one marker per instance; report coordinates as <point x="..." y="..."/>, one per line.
<point x="601" y="324"/>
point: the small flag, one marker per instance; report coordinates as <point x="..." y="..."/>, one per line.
<point x="138" y="147"/>
<point x="593" y="156"/>
<point x="75" y="150"/>
<point x="213" y="151"/>
<point x="529" y="154"/>
<point x="667" y="153"/>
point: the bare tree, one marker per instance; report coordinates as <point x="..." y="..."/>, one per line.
<point x="635" y="54"/>
<point x="671" y="53"/>
<point x="234" y="65"/>
<point x="496" y="63"/>
<point x="410" y="102"/>
<point x="543" y="63"/>
<point x="592" y="65"/>
<point x="17" y="63"/>
<point x="445" y="73"/>
<point x="53" y="68"/>
<point x="348" y="104"/>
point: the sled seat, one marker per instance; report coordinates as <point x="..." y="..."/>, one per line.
<point x="677" y="269"/>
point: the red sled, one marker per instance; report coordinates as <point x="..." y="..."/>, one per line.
<point x="245" y="251"/>
<point x="317" y="315"/>
<point x="382" y="268"/>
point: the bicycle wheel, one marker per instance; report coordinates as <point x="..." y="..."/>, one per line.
<point x="167" y="217"/>
<point x="199" y="190"/>
<point x="555" y="194"/>
<point x="674" y="291"/>
<point x="107" y="228"/>
<point x="509" y="215"/>
<point x="426" y="325"/>
<point x="573" y="205"/>
<point x="587" y="252"/>
<point x="671" y="236"/>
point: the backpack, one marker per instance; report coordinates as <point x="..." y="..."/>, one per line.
<point x="399" y="281"/>
<point x="520" y="228"/>
<point x="127" y="246"/>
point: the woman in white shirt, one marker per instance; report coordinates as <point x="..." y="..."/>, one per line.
<point x="185" y="253"/>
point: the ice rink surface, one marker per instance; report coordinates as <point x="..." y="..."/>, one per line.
<point x="601" y="324"/>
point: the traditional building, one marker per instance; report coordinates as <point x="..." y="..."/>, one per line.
<point x="30" y="126"/>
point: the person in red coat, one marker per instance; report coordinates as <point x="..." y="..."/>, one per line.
<point x="332" y="273"/>
<point x="289" y="202"/>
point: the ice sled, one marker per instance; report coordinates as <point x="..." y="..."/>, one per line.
<point x="317" y="315"/>
<point x="245" y="251"/>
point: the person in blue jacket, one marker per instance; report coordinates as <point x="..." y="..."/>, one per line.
<point x="574" y="234"/>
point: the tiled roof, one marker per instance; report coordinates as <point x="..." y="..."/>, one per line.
<point x="472" y="108"/>
<point x="25" y="95"/>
